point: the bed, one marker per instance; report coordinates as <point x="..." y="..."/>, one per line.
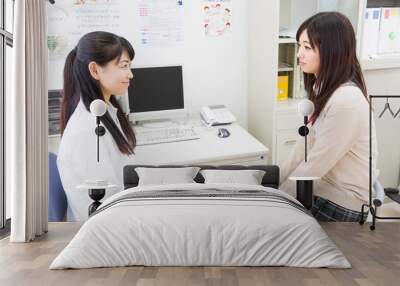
<point x="203" y="223"/>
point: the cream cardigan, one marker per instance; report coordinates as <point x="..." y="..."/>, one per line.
<point x="338" y="151"/>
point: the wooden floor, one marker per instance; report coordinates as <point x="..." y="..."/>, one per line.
<point x="375" y="257"/>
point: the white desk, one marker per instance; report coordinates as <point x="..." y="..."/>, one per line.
<point x="239" y="148"/>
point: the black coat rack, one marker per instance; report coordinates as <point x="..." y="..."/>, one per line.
<point x="392" y="193"/>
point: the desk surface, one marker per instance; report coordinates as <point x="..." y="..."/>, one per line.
<point x="240" y="145"/>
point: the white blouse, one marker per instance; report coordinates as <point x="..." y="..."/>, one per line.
<point x="77" y="160"/>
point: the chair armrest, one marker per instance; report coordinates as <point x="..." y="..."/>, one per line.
<point x="379" y="194"/>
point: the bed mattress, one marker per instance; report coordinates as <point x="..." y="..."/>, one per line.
<point x="201" y="225"/>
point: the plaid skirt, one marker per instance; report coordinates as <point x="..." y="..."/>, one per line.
<point x="327" y="211"/>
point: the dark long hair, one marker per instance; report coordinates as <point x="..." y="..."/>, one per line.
<point x="333" y="35"/>
<point x="100" y="47"/>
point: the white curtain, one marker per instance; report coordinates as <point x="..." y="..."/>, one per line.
<point x="26" y="130"/>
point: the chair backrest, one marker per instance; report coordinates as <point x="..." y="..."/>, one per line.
<point x="57" y="199"/>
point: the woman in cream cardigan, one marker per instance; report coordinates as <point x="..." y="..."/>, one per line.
<point x="338" y="150"/>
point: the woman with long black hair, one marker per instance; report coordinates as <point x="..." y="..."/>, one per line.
<point x="339" y="133"/>
<point x="99" y="67"/>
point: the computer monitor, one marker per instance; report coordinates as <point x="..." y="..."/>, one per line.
<point x="156" y="93"/>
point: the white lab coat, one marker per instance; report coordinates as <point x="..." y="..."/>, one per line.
<point x="77" y="160"/>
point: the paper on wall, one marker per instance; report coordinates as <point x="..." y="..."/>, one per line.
<point x="389" y="34"/>
<point x="217" y="17"/>
<point x="161" y="22"/>
<point x="370" y="35"/>
<point x="68" y="21"/>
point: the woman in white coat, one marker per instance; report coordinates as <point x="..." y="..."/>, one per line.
<point x="98" y="68"/>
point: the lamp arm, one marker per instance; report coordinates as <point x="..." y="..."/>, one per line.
<point x="305" y="138"/>
<point x="305" y="107"/>
<point x="98" y="137"/>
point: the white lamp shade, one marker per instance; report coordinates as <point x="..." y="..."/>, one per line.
<point x="98" y="107"/>
<point x="305" y="107"/>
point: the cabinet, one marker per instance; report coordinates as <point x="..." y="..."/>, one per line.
<point x="54" y="109"/>
<point x="287" y="121"/>
<point x="287" y="66"/>
<point x="286" y="140"/>
<point x="53" y="143"/>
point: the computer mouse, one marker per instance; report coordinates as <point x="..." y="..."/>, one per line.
<point x="223" y="133"/>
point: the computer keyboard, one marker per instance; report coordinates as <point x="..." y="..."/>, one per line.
<point x="156" y="136"/>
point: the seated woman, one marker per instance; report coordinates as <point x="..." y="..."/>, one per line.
<point x="338" y="150"/>
<point x="98" y="68"/>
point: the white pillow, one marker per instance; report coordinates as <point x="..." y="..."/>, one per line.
<point x="163" y="176"/>
<point x="248" y="177"/>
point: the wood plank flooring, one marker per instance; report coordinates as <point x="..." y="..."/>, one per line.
<point x="375" y="257"/>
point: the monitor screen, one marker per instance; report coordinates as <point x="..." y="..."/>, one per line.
<point x="156" y="89"/>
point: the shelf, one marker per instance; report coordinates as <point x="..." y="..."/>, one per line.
<point x="285" y="67"/>
<point x="287" y="41"/>
<point x="54" y="135"/>
<point x="381" y="62"/>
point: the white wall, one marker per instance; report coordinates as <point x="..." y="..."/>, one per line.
<point x="239" y="70"/>
<point x="215" y="69"/>
<point x="386" y="82"/>
<point x="263" y="62"/>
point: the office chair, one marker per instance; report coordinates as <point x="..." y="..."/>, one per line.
<point x="380" y="193"/>
<point x="57" y="199"/>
